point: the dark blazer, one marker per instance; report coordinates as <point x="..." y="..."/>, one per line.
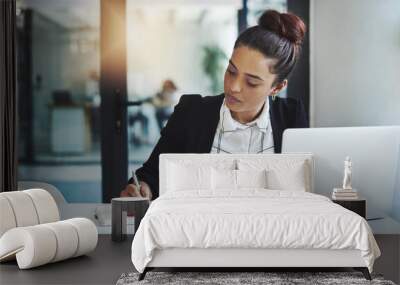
<point x="192" y="126"/>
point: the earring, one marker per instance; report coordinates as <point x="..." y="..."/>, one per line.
<point x="273" y="97"/>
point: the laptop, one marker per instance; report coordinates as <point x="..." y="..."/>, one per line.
<point x="375" y="156"/>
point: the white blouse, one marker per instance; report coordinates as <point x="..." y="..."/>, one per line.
<point x="234" y="137"/>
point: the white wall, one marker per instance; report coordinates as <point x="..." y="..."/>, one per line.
<point x="355" y="65"/>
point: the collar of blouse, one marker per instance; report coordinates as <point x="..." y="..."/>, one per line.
<point x="230" y="124"/>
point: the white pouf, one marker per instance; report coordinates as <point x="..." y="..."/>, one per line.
<point x="31" y="233"/>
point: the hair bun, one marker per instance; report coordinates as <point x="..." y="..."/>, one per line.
<point x="286" y="25"/>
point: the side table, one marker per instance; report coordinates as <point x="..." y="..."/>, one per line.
<point x="119" y="213"/>
<point x="358" y="206"/>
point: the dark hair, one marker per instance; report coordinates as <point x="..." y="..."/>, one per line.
<point x="278" y="36"/>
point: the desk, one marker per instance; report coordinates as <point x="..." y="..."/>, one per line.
<point x="102" y="266"/>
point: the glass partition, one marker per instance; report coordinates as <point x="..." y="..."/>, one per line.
<point x="58" y="90"/>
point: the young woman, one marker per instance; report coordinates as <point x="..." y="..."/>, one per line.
<point x="247" y="117"/>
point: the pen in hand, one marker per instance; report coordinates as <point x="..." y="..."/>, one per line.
<point x="135" y="180"/>
<point x="142" y="189"/>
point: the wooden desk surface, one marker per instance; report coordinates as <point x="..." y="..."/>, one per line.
<point x="102" y="266"/>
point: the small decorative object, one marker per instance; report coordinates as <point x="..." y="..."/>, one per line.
<point x="346" y="192"/>
<point x="120" y="209"/>
<point x="347" y="173"/>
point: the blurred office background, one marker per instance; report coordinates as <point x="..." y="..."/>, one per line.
<point x="348" y="76"/>
<point x="181" y="45"/>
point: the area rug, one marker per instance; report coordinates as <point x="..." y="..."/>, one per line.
<point x="243" y="278"/>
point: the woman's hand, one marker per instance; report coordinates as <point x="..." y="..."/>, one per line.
<point x="131" y="190"/>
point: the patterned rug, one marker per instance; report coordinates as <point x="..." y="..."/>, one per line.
<point x="242" y="278"/>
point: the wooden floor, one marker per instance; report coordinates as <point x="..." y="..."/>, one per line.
<point x="103" y="266"/>
<point x="110" y="259"/>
